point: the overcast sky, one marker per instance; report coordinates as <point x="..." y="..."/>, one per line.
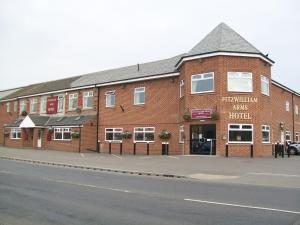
<point x="43" y="40"/>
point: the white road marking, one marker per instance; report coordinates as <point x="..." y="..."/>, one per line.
<point x="146" y="157"/>
<point x="241" y="206"/>
<point x="173" y="157"/>
<point x="119" y="157"/>
<point x="275" y="174"/>
<point x="82" y="155"/>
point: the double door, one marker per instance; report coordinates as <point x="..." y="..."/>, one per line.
<point x="203" y="139"/>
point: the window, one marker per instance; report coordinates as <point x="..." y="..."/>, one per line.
<point x="296" y="110"/>
<point x="288" y="135"/>
<point x="15" y="133"/>
<point x="62" y="134"/>
<point x="240" y="133"/>
<point x="265" y="85"/>
<point x="61" y="103"/>
<point x="110" y="98"/>
<point x="297" y="139"/>
<point x="113" y="134"/>
<point x="73" y="101"/>
<point x="202" y="83"/>
<point x="239" y="82"/>
<point x="88" y="99"/>
<point x="33" y="105"/>
<point x="181" y="134"/>
<point x="22" y="106"/>
<point x="181" y="89"/>
<point x="265" y="133"/>
<point x="43" y="105"/>
<point x="15" y="106"/>
<point x="8" y="107"/>
<point x="139" y="96"/>
<point x="287" y="106"/>
<point x="144" y="134"/>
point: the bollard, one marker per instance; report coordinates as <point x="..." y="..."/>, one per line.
<point x="134" y="148"/>
<point x="109" y="147"/>
<point x="282" y="151"/>
<point x="276" y="150"/>
<point x="98" y="147"/>
<point x="121" y="148"/>
<point x="288" y="151"/>
<point x="273" y="150"/>
<point x="226" y="151"/>
<point x="147" y="148"/>
<point x="251" y="151"/>
<point x="168" y="149"/>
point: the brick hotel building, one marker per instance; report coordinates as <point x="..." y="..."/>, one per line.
<point x="220" y="92"/>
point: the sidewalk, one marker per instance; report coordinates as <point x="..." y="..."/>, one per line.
<point x="282" y="172"/>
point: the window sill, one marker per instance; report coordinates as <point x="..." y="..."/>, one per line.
<point x="113" y="106"/>
<point x="139" y="104"/>
<point x="143" y="142"/>
<point x="203" y="92"/>
<point x="62" y="140"/>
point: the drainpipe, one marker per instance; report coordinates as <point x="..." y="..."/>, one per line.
<point x="79" y="148"/>
<point x="293" y="108"/>
<point x="97" y="123"/>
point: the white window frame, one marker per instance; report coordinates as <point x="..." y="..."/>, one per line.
<point x="144" y="131"/>
<point x="181" y="134"/>
<point x="266" y="128"/>
<point x="240" y="129"/>
<point x="288" y="133"/>
<point x="62" y="130"/>
<point x="201" y="77"/>
<point x="181" y="88"/>
<point x="265" y="81"/>
<point x="239" y="75"/>
<point x="72" y="97"/>
<point x="108" y="96"/>
<point x="15" y="106"/>
<point x="33" y="101"/>
<point x="137" y="91"/>
<point x="15" y="131"/>
<point x="23" y="106"/>
<point x="61" y="98"/>
<point x="86" y="96"/>
<point x="287" y="106"/>
<point x="43" y="104"/>
<point x="8" y="107"/>
<point x="296" y="109"/>
<point x="115" y="130"/>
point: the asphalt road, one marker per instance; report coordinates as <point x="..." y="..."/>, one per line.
<point x="34" y="194"/>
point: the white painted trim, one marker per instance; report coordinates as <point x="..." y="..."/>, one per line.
<point x="240" y="124"/>
<point x="113" y="132"/>
<point x="285" y="88"/>
<point x="138" y="79"/>
<point x="203" y="92"/>
<point x="27" y="123"/>
<point x="239" y="91"/>
<point x="223" y="54"/>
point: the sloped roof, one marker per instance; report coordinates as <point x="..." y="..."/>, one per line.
<point x="129" y="72"/>
<point x="223" y="39"/>
<point x="5" y="93"/>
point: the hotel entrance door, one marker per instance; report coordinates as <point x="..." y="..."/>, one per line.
<point x="203" y="139"/>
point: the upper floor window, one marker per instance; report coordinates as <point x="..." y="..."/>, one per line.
<point x="202" y="83"/>
<point x="43" y="104"/>
<point x="265" y="86"/>
<point x="239" y="82"/>
<point x="181" y="88"/>
<point x="113" y="134"/>
<point x="23" y="106"/>
<point x="265" y="133"/>
<point x="88" y="99"/>
<point x="7" y="106"/>
<point x="15" y="106"/>
<point x="240" y="133"/>
<point x="296" y="110"/>
<point x="287" y="106"/>
<point x="144" y="134"/>
<point x="110" y="98"/>
<point x="73" y="101"/>
<point x="15" y="133"/>
<point x="139" y="96"/>
<point x="61" y="103"/>
<point x="33" y="105"/>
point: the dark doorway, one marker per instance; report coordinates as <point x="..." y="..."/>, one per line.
<point x="203" y="139"/>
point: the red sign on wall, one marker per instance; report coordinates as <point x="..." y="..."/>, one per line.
<point x="51" y="107"/>
<point x="201" y="113"/>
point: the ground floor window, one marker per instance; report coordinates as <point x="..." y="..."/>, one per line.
<point x="240" y="133"/>
<point x="265" y="133"/>
<point x="288" y="135"/>
<point x="113" y="134"/>
<point x="144" y="134"/>
<point x="62" y="134"/>
<point x="181" y="134"/>
<point x="297" y="137"/>
<point x="15" y="133"/>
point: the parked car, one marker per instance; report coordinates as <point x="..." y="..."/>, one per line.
<point x="294" y="148"/>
